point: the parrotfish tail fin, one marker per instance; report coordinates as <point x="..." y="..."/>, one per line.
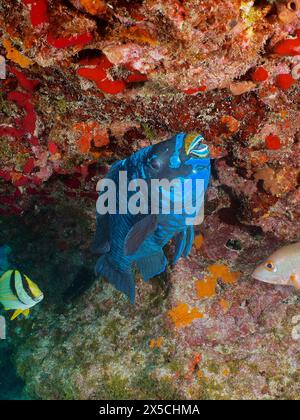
<point x="190" y="235"/>
<point x="121" y="280"/>
<point x="152" y="265"/>
<point x="100" y="244"/>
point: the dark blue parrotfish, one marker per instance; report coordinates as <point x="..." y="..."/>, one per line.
<point x="126" y="239"/>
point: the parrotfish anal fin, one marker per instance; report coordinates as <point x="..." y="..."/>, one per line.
<point x="138" y="233"/>
<point x="19" y="312"/>
<point x="123" y="281"/>
<point x="100" y="243"/>
<point x="152" y="265"/>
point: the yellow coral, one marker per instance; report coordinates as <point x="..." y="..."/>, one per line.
<point x="224" y="305"/>
<point x="278" y="183"/>
<point x="223" y="272"/>
<point x="156" y="343"/>
<point x="250" y="15"/>
<point x="91" y="131"/>
<point x="139" y="34"/>
<point x="14" y="55"/>
<point x="182" y="315"/>
<point x="200" y="374"/>
<point x="94" y="7"/>
<point x="198" y="241"/>
<point x="207" y="287"/>
<point x="226" y="372"/>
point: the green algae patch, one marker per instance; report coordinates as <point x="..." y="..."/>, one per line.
<point x="149" y="387"/>
<point x="118" y="388"/>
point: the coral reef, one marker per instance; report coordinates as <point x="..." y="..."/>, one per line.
<point x="89" y="82"/>
<point x="240" y="341"/>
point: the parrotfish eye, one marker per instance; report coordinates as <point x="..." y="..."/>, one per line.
<point x="154" y="164"/>
<point x="270" y="266"/>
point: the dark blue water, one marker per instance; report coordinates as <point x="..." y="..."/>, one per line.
<point x="66" y="259"/>
<point x="11" y="386"/>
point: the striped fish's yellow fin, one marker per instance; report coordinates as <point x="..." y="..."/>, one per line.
<point x="26" y="313"/>
<point x="16" y="314"/>
<point x="33" y="287"/>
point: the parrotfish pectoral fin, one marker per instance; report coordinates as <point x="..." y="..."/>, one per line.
<point x="122" y="280"/>
<point x="152" y="265"/>
<point x="138" y="233"/>
<point x="19" y="312"/>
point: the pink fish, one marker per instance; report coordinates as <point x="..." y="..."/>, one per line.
<point x="282" y="267"/>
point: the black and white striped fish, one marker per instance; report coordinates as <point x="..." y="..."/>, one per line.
<point x="18" y="292"/>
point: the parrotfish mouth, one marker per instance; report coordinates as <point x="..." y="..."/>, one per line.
<point x="195" y="147"/>
<point x="201" y="151"/>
